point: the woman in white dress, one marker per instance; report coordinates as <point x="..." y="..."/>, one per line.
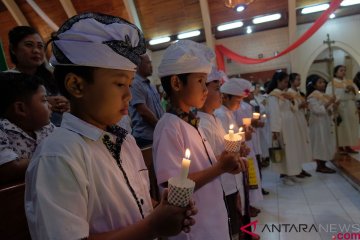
<point x="282" y="119"/>
<point x="320" y="122"/>
<point x="347" y="93"/>
<point x="299" y="108"/>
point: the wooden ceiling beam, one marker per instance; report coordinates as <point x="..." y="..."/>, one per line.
<point x="16" y="12"/>
<point x="205" y="13"/>
<point x="43" y="15"/>
<point x="68" y="7"/>
<point x="133" y="15"/>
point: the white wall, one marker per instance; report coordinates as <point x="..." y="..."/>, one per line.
<point x="345" y="31"/>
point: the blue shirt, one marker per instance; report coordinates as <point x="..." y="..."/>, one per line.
<point x="144" y="92"/>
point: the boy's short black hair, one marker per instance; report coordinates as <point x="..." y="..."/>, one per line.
<point x="61" y="71"/>
<point x="228" y="95"/>
<point x="15" y="87"/>
<point x="166" y="83"/>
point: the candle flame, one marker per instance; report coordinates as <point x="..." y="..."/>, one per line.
<point x="241" y="129"/>
<point x="187" y="153"/>
<point x="264" y="115"/>
<point x="231" y="126"/>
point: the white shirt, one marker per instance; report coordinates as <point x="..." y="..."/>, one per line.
<point x="75" y="188"/>
<point x="172" y="136"/>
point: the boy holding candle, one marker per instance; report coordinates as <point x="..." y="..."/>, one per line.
<point x="214" y="133"/>
<point x="183" y="71"/>
<point x="233" y="92"/>
<point x="88" y="179"/>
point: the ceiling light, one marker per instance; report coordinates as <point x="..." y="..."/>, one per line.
<point x="345" y="3"/>
<point x="188" y="34"/>
<point x="228" y="26"/>
<point x="316" y="8"/>
<point x="240" y="8"/>
<point x="332" y="15"/>
<point x="159" y="40"/>
<point x="248" y="30"/>
<point x="267" y="18"/>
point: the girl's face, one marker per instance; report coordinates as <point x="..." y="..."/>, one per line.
<point x="341" y="72"/>
<point x="283" y="84"/>
<point x="320" y="85"/>
<point x="30" y="51"/>
<point x="297" y="81"/>
<point x="213" y="100"/>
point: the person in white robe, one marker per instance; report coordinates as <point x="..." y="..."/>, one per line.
<point x="246" y="110"/>
<point x="183" y="72"/>
<point x="214" y="134"/>
<point x="260" y="103"/>
<point x="285" y="133"/>
<point x="348" y="121"/>
<point x="232" y="98"/>
<point x="320" y="122"/>
<point x="299" y="108"/>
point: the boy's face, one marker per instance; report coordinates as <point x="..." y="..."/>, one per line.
<point x="194" y="93"/>
<point x="232" y="103"/>
<point x="213" y="100"/>
<point x="105" y="101"/>
<point x="38" y="109"/>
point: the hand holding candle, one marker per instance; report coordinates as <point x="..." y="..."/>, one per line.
<point x="181" y="188"/>
<point x="232" y="141"/>
<point x="256" y="115"/>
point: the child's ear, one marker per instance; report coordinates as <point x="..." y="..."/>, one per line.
<point x="74" y="85"/>
<point x="20" y="109"/>
<point x="175" y="83"/>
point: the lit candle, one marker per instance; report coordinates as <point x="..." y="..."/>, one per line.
<point x="242" y="133"/>
<point x="231" y="132"/>
<point x="264" y="116"/>
<point x="256" y="115"/>
<point x="185" y="165"/>
<point x="247" y="122"/>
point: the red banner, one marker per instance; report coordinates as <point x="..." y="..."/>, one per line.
<point x="222" y="51"/>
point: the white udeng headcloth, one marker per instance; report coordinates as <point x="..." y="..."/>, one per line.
<point x="186" y="56"/>
<point x="236" y="87"/>
<point x="214" y="75"/>
<point x="98" y="40"/>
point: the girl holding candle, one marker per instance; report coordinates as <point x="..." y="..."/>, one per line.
<point x="214" y="134"/>
<point x="183" y="71"/>
<point x="347" y="93"/>
<point x="320" y="123"/>
<point x="283" y="131"/>
<point x="300" y="107"/>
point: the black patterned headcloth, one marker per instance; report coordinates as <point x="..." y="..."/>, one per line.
<point x="98" y="40"/>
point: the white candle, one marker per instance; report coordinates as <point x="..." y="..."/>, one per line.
<point x="256" y="115"/>
<point x="231" y="132"/>
<point x="247" y="122"/>
<point x="242" y="134"/>
<point x="185" y="165"/>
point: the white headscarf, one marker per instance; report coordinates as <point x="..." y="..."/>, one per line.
<point x="236" y="87"/>
<point x="186" y="56"/>
<point x="214" y="75"/>
<point x="98" y="40"/>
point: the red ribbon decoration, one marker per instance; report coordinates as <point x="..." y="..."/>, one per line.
<point x="222" y="51"/>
